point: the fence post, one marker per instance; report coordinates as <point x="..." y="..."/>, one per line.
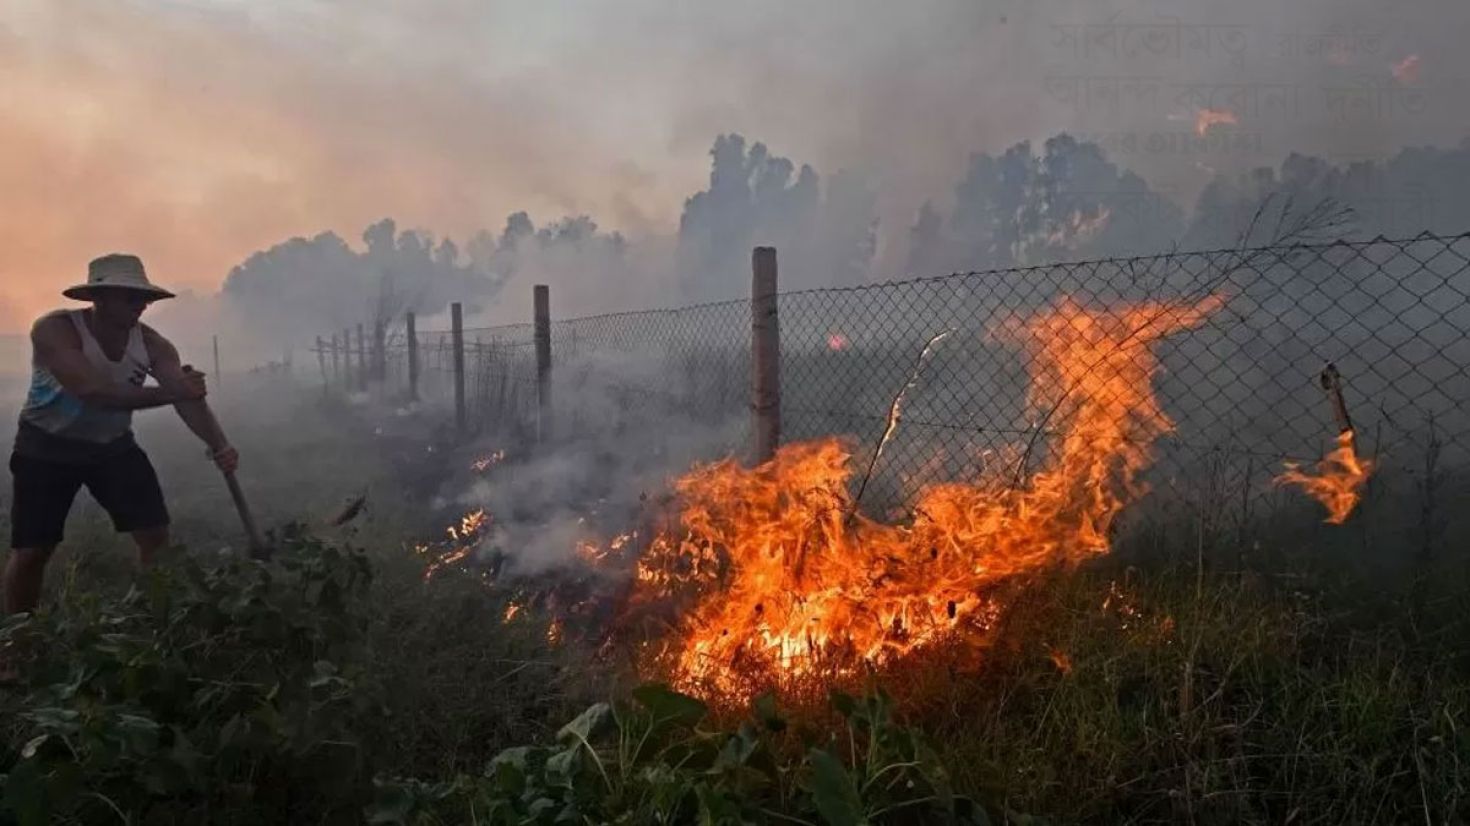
<point x="348" y="382"/>
<point x="321" y="360"/>
<point x="336" y="363"/>
<point x="541" y="304"/>
<point x="362" y="362"/>
<point x="456" y="325"/>
<point x="765" y="354"/>
<point x="411" y="331"/>
<point x="218" y="379"/>
<point x="380" y="351"/>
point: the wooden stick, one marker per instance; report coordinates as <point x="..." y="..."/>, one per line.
<point x="1332" y="383"/>
<point x="258" y="548"/>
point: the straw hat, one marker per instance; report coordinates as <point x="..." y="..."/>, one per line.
<point x="116" y="271"/>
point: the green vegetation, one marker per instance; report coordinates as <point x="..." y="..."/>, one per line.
<point x="334" y="685"/>
<point x="323" y="688"/>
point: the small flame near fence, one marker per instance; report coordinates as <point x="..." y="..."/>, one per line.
<point x="1338" y="482"/>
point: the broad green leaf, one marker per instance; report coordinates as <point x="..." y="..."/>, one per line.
<point x="834" y="792"/>
<point x="29" y="749"/>
<point x="669" y="706"/>
<point x="391" y="804"/>
<point x="561" y="768"/>
<point x="765" y="710"/>
<point x="517" y="757"/>
<point x="588" y="724"/>
<point x="26" y="795"/>
<point x="844" y="703"/>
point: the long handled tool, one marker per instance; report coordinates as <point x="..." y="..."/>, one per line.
<point x="258" y="548"/>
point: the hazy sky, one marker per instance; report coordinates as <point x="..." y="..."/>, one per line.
<point x="196" y="132"/>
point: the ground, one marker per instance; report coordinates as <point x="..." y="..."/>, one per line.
<point x="1183" y="684"/>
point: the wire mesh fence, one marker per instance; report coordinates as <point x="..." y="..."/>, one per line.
<point x="1240" y="386"/>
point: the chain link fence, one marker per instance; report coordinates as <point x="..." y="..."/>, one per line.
<point x="1241" y="388"/>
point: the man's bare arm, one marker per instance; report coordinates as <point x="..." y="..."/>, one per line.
<point x="169" y="370"/>
<point x="59" y="350"/>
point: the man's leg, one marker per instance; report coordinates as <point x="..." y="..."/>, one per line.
<point x="150" y="541"/>
<point x="25" y="570"/>
<point x="42" y="498"/>
<point x="127" y="487"/>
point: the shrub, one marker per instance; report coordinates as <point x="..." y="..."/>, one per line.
<point x="217" y="693"/>
<point x="648" y="761"/>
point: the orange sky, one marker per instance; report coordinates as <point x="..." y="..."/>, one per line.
<point x="194" y="132"/>
<point x="192" y="144"/>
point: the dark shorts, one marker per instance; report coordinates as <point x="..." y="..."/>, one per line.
<point x="123" y="483"/>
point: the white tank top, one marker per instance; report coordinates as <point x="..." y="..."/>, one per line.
<point x="52" y="409"/>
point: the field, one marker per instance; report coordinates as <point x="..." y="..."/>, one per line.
<point x="1278" y="671"/>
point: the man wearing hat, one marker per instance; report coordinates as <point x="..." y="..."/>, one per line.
<point x="88" y="371"/>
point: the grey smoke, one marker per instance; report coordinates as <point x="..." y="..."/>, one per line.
<point x="618" y="442"/>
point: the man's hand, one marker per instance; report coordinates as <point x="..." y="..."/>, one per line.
<point x="227" y="459"/>
<point x="189" y="386"/>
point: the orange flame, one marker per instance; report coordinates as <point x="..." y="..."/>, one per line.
<point x="1340" y="477"/>
<point x="487" y="461"/>
<point x="463" y="537"/>
<point x="778" y="576"/>
<point x="1406" y="71"/>
<point x="1206" y="118"/>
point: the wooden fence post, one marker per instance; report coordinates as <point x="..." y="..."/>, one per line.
<point x="380" y="351"/>
<point x="456" y="316"/>
<point x="411" y="331"/>
<point x="362" y="361"/>
<point x="218" y="379"/>
<point x="541" y="304"/>
<point x="348" y="381"/>
<point x="765" y="354"/>
<point x="321" y="360"/>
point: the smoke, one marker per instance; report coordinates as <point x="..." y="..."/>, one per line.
<point x="580" y="263"/>
<point x="1070" y="201"/>
<point x="1412" y="192"/>
<point x="193" y="133"/>
<point x="1020" y="208"/>
<point x="618" y="441"/>
<point x="754" y="198"/>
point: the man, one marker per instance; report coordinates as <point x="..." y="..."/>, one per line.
<point x="88" y="372"/>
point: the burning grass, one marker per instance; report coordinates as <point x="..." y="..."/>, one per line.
<point x="772" y="575"/>
<point x="776" y="575"/>
<point x="1338" y="482"/>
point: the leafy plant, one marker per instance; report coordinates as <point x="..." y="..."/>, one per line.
<point x="648" y="760"/>
<point x="219" y="692"/>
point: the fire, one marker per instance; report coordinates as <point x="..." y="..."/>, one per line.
<point x="1338" y="482"/>
<point x="1206" y="118"/>
<point x="463" y="537"/>
<point x="836" y="341"/>
<point x="1061" y="659"/>
<point x="487" y="461"/>
<point x="1406" y="71"/>
<point x="777" y="574"/>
